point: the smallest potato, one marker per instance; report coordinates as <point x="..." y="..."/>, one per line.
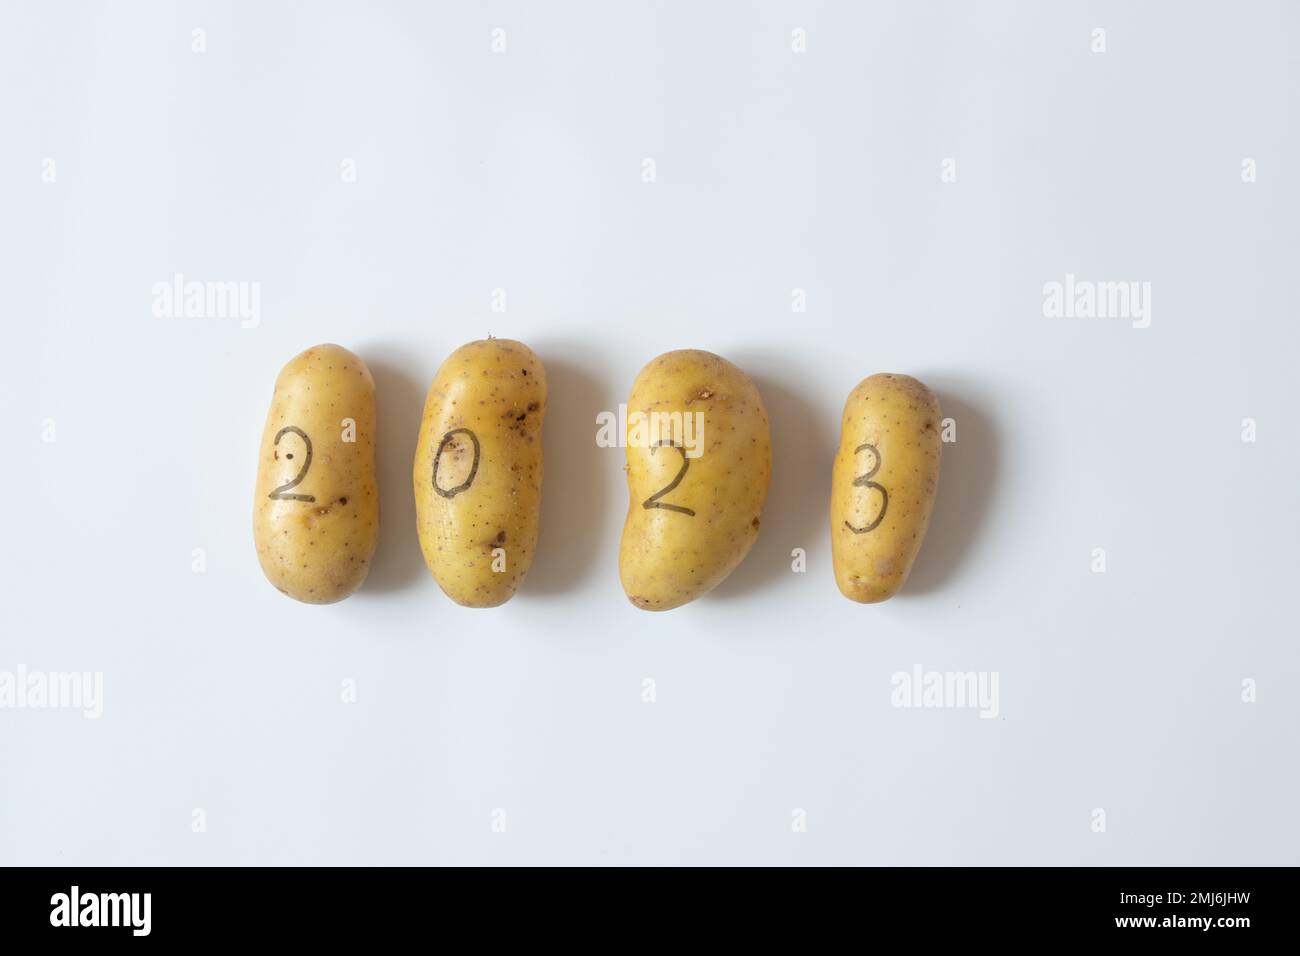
<point x="883" y="484"/>
<point x="316" y="505"/>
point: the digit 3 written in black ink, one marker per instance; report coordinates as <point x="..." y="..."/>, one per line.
<point x="447" y="439"/>
<point x="653" y="501"/>
<point x="864" y="481"/>
<point x="279" y="493"/>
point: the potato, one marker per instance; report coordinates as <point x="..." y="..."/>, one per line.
<point x="883" y="484"/>
<point x="316" y="507"/>
<point x="478" y="470"/>
<point x="699" y="460"/>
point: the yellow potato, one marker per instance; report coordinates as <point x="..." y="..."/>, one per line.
<point x="699" y="459"/>
<point x="316" y="507"/>
<point x="478" y="470"/>
<point x="883" y="484"/>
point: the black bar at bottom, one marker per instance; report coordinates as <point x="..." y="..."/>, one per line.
<point x="365" y="905"/>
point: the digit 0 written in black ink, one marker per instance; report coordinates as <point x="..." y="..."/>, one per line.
<point x="279" y="494"/>
<point x="653" y="501"/>
<point x="448" y="439"/>
<point x="864" y="481"/>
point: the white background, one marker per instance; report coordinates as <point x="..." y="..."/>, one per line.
<point x="776" y="171"/>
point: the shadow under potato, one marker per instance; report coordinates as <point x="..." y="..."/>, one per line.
<point x="967" y="477"/>
<point x="574" y="483"/>
<point x="399" y="398"/>
<point x="798" y="500"/>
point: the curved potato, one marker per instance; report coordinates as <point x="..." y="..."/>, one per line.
<point x="699" y="460"/>
<point x="478" y="470"/>
<point x="883" y="484"/>
<point x="316" y="504"/>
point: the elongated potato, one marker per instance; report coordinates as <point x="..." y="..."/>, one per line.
<point x="883" y="484"/>
<point x="478" y="470"/>
<point x="316" y="507"/>
<point x="699" y="460"/>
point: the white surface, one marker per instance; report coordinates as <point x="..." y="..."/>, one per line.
<point x="775" y="171"/>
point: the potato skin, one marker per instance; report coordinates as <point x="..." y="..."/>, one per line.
<point x="315" y="538"/>
<point x="667" y="557"/>
<point x="883" y="484"/>
<point x="482" y="428"/>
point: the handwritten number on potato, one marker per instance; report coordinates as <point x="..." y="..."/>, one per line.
<point x="280" y="494"/>
<point x="864" y="481"/>
<point x="447" y="439"/>
<point x="653" y="501"/>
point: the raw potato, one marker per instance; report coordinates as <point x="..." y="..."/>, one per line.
<point x="691" y="520"/>
<point x="883" y="484"/>
<point x="478" y="470"/>
<point x="316" y="507"/>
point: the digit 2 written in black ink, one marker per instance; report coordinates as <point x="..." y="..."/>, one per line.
<point x="864" y="481"/>
<point x="279" y="493"/>
<point x="653" y="501"/>
<point x="447" y="439"/>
